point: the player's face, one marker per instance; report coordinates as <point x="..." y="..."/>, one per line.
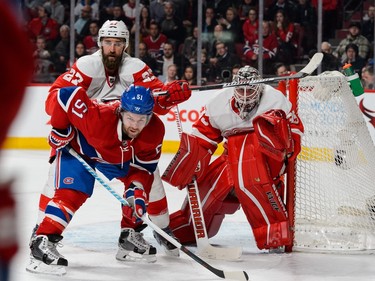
<point x="112" y="49"/>
<point x="133" y="124"/>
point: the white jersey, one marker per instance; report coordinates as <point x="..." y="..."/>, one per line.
<point x="89" y="73"/>
<point x="221" y="119"/>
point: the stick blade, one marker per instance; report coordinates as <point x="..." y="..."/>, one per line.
<point x="315" y="61"/>
<point x="236" y="275"/>
<point x="219" y="253"/>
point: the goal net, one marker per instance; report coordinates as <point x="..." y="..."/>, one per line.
<point x="335" y="171"/>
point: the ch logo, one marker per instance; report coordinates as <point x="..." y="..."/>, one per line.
<point x="368" y="113"/>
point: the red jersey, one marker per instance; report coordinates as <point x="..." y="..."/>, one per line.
<point x="99" y="131"/>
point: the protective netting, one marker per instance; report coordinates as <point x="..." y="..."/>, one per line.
<point x="335" y="183"/>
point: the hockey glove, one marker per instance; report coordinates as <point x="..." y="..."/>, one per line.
<point x="136" y="196"/>
<point x="58" y="138"/>
<point x="178" y="90"/>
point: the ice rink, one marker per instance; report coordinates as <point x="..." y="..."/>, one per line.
<point x="90" y="241"/>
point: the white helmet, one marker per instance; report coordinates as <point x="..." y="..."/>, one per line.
<point x="114" y="28"/>
<point x="247" y="96"/>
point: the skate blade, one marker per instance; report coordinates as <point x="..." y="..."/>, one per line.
<point x="40" y="267"/>
<point x="123" y="255"/>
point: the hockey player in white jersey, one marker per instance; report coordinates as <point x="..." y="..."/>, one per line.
<point x="261" y="136"/>
<point x="105" y="75"/>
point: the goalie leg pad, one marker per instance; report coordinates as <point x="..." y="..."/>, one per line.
<point x="217" y="200"/>
<point x="257" y="192"/>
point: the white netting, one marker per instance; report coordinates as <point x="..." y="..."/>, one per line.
<point x="335" y="184"/>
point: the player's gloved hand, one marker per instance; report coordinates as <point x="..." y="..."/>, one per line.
<point x="136" y="196"/>
<point x="178" y="90"/>
<point x="58" y="138"/>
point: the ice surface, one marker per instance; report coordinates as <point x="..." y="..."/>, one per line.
<point x="90" y="241"/>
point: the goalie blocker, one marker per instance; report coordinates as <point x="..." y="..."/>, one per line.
<point x="247" y="174"/>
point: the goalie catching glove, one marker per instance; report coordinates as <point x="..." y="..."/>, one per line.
<point x="178" y="91"/>
<point x="136" y="197"/>
<point x="58" y="138"/>
<point x="274" y="134"/>
<point x="191" y="159"/>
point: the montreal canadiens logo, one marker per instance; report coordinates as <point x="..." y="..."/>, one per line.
<point x="68" y="180"/>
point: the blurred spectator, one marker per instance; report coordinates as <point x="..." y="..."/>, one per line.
<point x="235" y="69"/>
<point x="57" y="10"/>
<point x="91" y="41"/>
<point x="287" y="41"/>
<point x="82" y="24"/>
<point x="353" y="58"/>
<point x="157" y="10"/>
<point x="244" y="8"/>
<point x="144" y="21"/>
<point x="62" y="49"/>
<point x="250" y="27"/>
<point x="232" y="26"/>
<point x="171" y="74"/>
<point x="287" y="6"/>
<point x="221" y="6"/>
<point x="222" y="63"/>
<point x="282" y="69"/>
<point x="330" y="18"/>
<point x="79" y="51"/>
<point x="190" y="75"/>
<point x="306" y="16"/>
<point x="130" y="10"/>
<point x="94" y="8"/>
<point x="146" y="57"/>
<point x="118" y="14"/>
<point x="171" y="26"/>
<point x="43" y="66"/>
<point x="189" y="49"/>
<point x="329" y="62"/>
<point x="190" y="16"/>
<point x="45" y="26"/>
<point x="155" y="40"/>
<point x="220" y="36"/>
<point x="354" y="36"/>
<point x="269" y="51"/>
<point x="368" y="77"/>
<point x="368" y="24"/>
<point x="106" y="9"/>
<point x="170" y="57"/>
<point x="208" y="25"/>
<point x="206" y="67"/>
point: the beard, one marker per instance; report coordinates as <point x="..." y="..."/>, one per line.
<point x="111" y="62"/>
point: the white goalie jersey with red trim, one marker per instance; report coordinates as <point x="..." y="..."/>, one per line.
<point x="220" y="118"/>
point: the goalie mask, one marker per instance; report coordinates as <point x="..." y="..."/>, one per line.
<point x="247" y="96"/>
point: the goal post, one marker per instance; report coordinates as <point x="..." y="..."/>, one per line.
<point x="331" y="187"/>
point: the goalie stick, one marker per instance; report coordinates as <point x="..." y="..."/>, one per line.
<point x="313" y="64"/>
<point x="233" y="275"/>
<point x="204" y="248"/>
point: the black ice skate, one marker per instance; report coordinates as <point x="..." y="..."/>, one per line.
<point x="169" y="248"/>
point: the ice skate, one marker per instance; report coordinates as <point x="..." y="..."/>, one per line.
<point x="44" y="257"/>
<point x="133" y="247"/>
<point x="169" y="248"/>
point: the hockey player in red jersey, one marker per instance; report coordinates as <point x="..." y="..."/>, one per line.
<point x="104" y="75"/>
<point x="261" y="134"/>
<point x="13" y="83"/>
<point x="121" y="139"/>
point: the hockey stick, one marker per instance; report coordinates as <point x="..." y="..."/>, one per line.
<point x="313" y="64"/>
<point x="205" y="249"/>
<point x="234" y="275"/>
